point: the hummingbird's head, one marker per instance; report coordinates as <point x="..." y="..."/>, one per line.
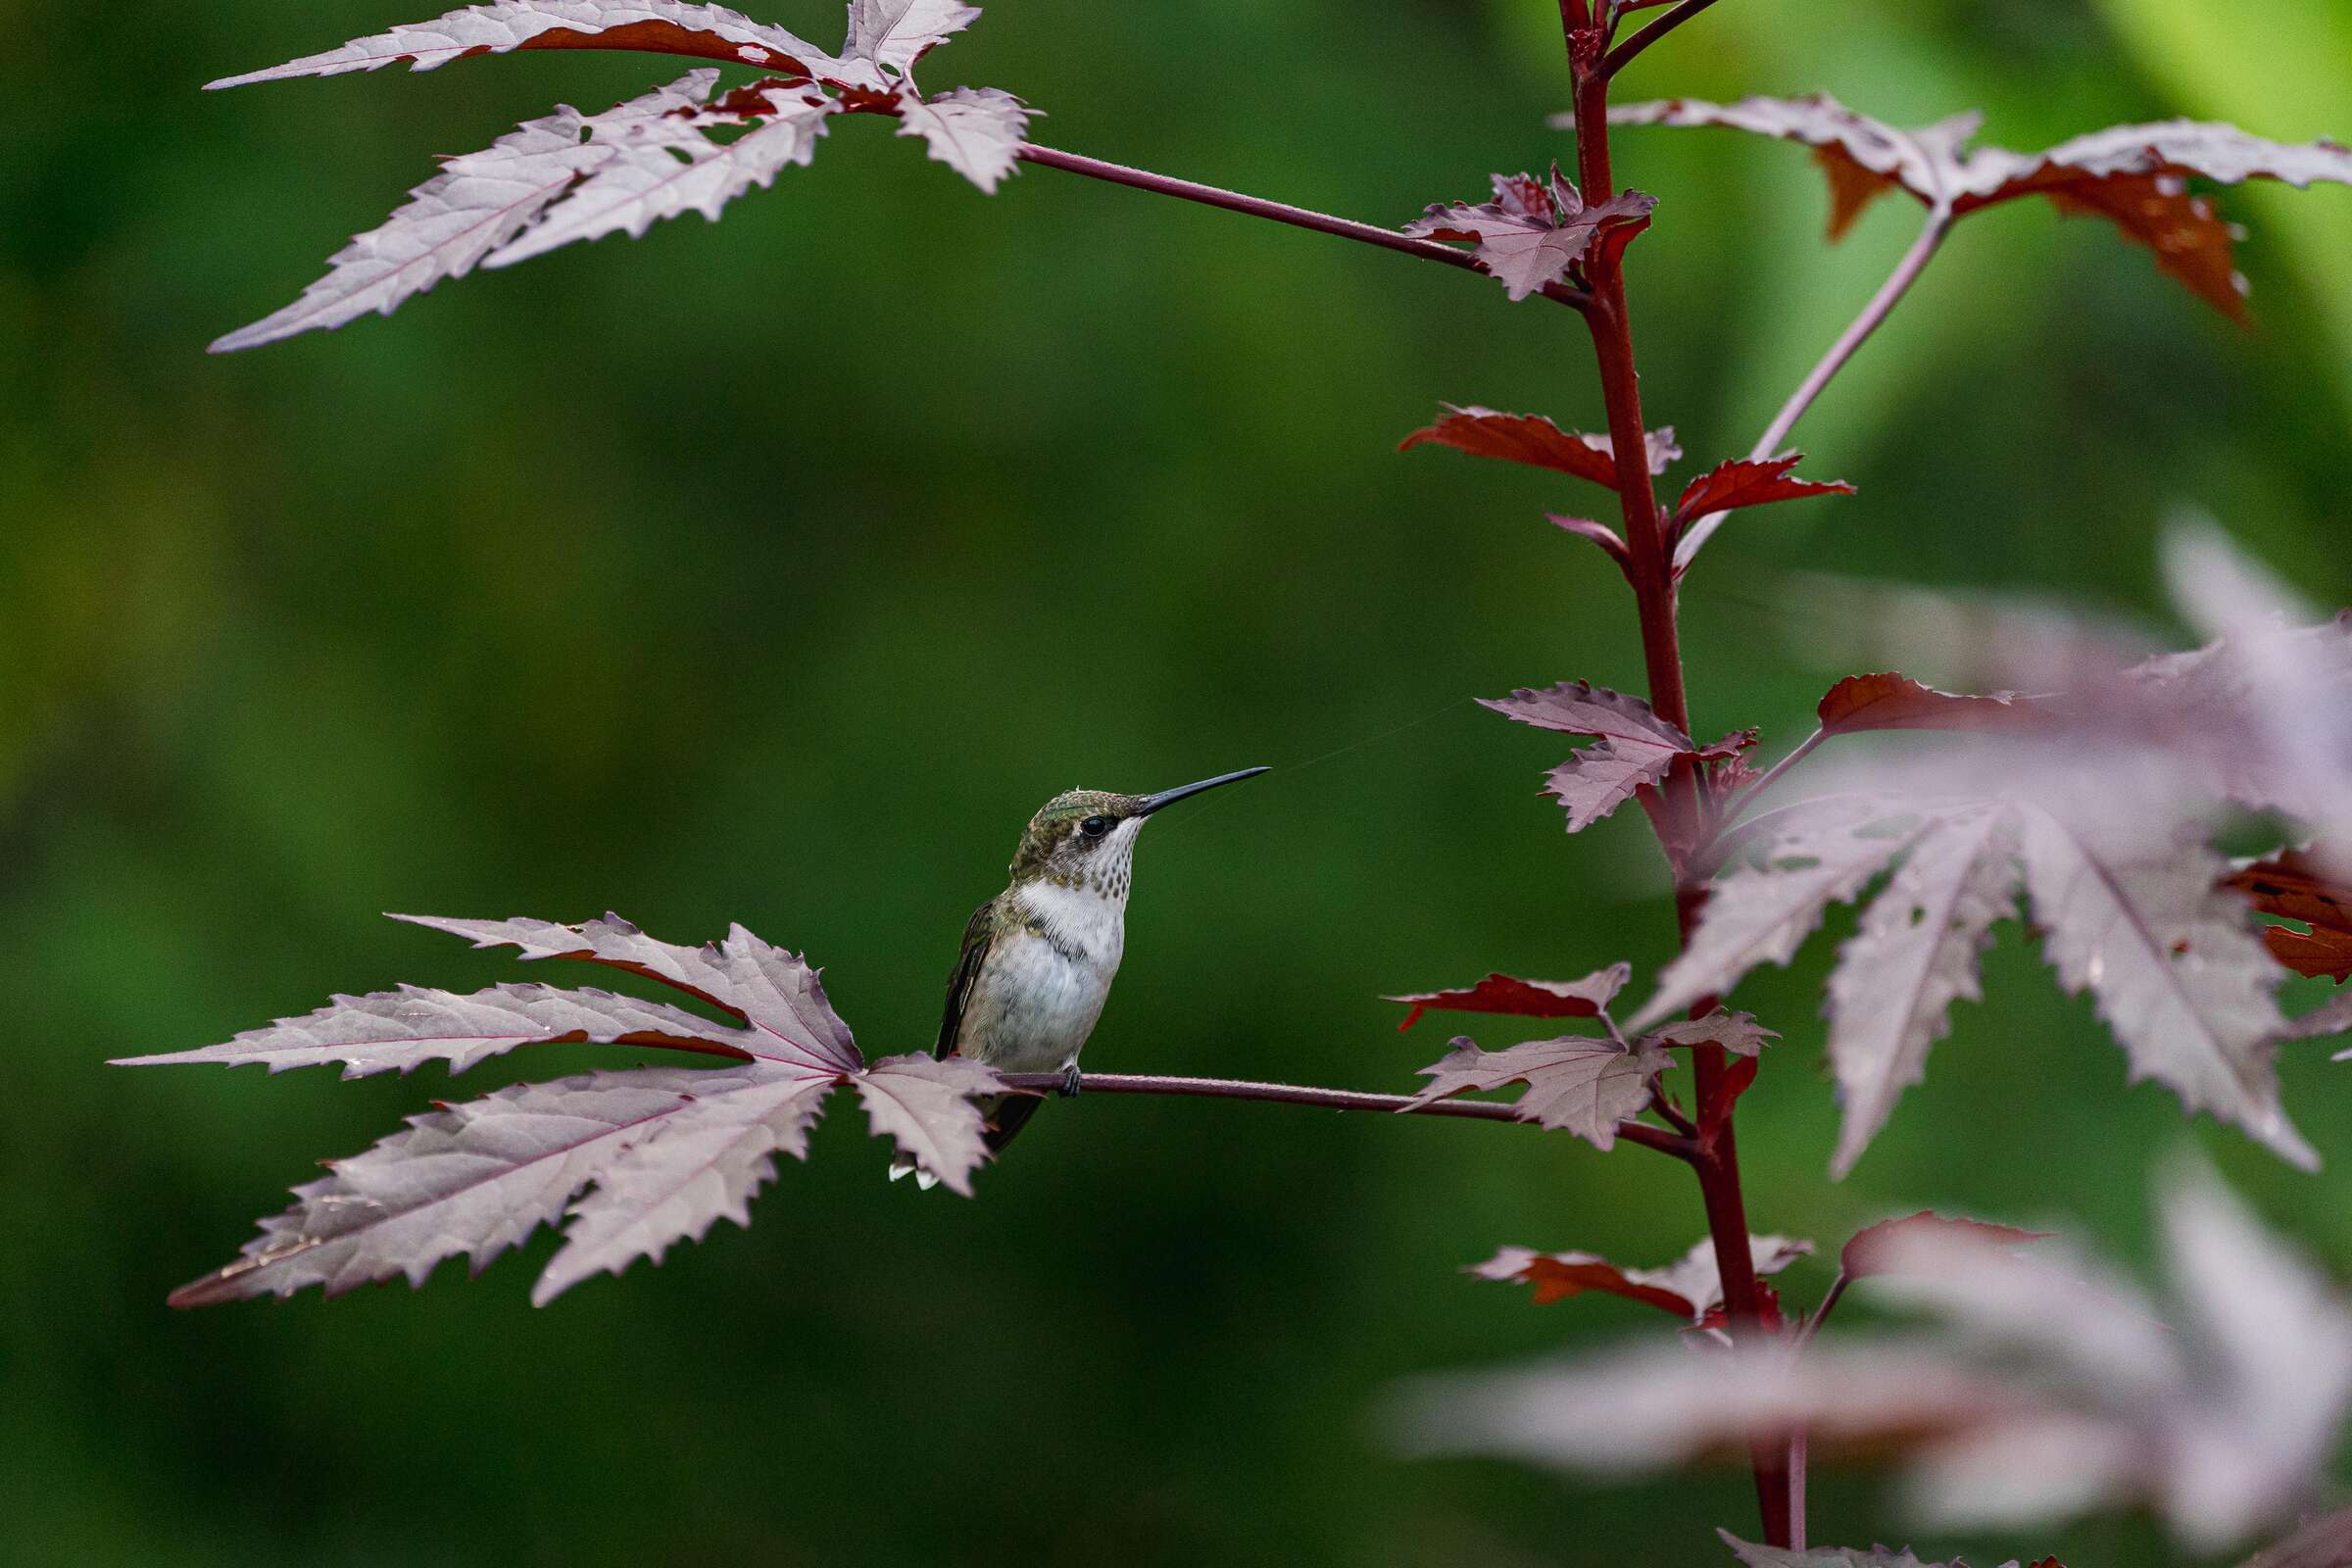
<point x="1086" y="838"/>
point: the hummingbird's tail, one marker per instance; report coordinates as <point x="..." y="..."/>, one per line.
<point x="1001" y="1117"/>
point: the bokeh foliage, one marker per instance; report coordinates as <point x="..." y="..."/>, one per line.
<point x="776" y="572"/>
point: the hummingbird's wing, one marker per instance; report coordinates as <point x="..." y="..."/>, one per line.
<point x="978" y="935"/>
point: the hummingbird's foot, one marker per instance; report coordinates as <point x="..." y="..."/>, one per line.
<point x="1069" y="1081"/>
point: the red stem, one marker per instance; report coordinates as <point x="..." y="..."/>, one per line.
<point x="1128" y="1083"/>
<point x="1717" y="1161"/>
<point x="1428" y="250"/>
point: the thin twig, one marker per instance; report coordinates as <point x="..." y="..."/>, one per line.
<point x="1765" y="780"/>
<point x="1812" y="1324"/>
<point x="1857" y="332"/>
<point x="1428" y="250"/>
<point x="1623" y="55"/>
<point x="1127" y="1082"/>
<point x="1667" y="1112"/>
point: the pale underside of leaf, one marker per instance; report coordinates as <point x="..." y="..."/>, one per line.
<point x="662" y="167"/>
<point x="704" y="1163"/>
<point x="777" y="993"/>
<point x="976" y="131"/>
<point x="401" y="1030"/>
<point x="1914" y="954"/>
<point x="1577" y="1083"/>
<point x="2174" y="965"/>
<point x="895" y="33"/>
<point x="1753" y="1555"/>
<point x="1762" y="913"/>
<point x="475" y="1178"/>
<point x="1735" y="1032"/>
<point x="664" y="27"/>
<point x="925" y="1103"/>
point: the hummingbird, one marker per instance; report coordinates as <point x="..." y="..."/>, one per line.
<point x="1039" y="958"/>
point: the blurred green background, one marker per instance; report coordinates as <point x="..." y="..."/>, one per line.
<point x="776" y="572"/>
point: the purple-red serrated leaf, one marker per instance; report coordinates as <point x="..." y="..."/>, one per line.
<point x="2297" y="885"/>
<point x="2136" y="176"/>
<point x="389" y="1031"/>
<point x="1735" y="1032"/>
<point x="925" y="1103"/>
<point x="1743" y="482"/>
<point x="1583" y="1086"/>
<point x="658" y="26"/>
<point x="1913" y="955"/>
<point x="1635" y="749"/>
<point x="1533" y="231"/>
<point x="1888" y="700"/>
<point x="1524" y="998"/>
<point x="1689" y="1287"/>
<point x="777" y="993"/>
<point x="1762" y="913"/>
<point x="1878" y="1248"/>
<point x="974" y="131"/>
<point x="703" y="1162"/>
<point x="2174" y="963"/>
<point x="667" y="164"/>
<point x="1533" y="439"/>
<point x="895" y="33"/>
<point x="475" y="1178"/>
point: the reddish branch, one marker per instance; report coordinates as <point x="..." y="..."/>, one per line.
<point x="1717" y="1157"/>
<point x="1125" y="1083"/>
<point x="1279" y="211"/>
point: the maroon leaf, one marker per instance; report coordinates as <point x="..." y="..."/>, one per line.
<point x="1524" y="998"/>
<point x="1689" y="1287"/>
<point x="1874" y="1247"/>
<point x="1635" y="749"/>
<point x="1533" y="439"/>
<point x="1534" y="230"/>
<point x="1584" y="1085"/>
<point x="2136" y="176"/>
<point x="2292" y="885"/>
<point x="1743" y="482"/>
<point x="1889" y="700"/>
<point x="1715" y="1115"/>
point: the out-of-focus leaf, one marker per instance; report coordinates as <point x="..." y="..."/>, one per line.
<point x="1533" y="439"/>
<point x="974" y="131"/>
<point x="1913" y="955"/>
<point x="1635" y="748"/>
<point x="2136" y="176"/>
<point x="1878" y="1248"/>
<point x="1761" y="914"/>
<point x="1689" y="1287"/>
<point x="1744" y="482"/>
<point x="656" y="27"/>
<point x="1755" y="1555"/>
<point x="2043" y="1398"/>
<point x="1735" y="1032"/>
<point x="2324" y="1541"/>
<point x="1889" y="700"/>
<point x="2293" y="885"/>
<point x="1524" y="998"/>
<point x="2174" y="965"/>
<point x="1586" y="1085"/>
<point x="1534" y="230"/>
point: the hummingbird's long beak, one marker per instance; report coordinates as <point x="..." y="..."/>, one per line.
<point x="1153" y="803"/>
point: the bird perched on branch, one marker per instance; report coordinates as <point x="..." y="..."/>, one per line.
<point x="1039" y="958"/>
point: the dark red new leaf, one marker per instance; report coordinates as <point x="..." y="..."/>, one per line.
<point x="1690" y="1288"/>
<point x="1743" y="482"/>
<point x="1524" y="998"/>
<point x="1888" y="701"/>
<point x="1869" y="1253"/>
<point x="2293" y="886"/>
<point x="1535" y="440"/>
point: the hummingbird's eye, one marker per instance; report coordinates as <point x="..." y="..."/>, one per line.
<point x="1094" y="827"/>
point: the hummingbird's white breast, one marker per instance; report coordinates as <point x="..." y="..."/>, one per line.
<point x="1047" y="974"/>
